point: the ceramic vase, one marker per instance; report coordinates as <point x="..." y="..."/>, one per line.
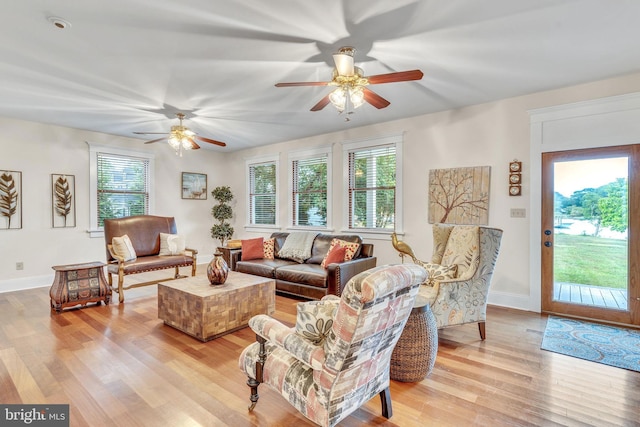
<point x="217" y="270"/>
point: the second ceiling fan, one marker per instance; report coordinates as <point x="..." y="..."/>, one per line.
<point x="351" y="84"/>
<point x="181" y="137"/>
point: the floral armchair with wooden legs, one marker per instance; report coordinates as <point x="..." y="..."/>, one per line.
<point x="337" y="356"/>
<point x="460" y="272"/>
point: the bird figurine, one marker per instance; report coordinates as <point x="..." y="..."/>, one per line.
<point x="402" y="247"/>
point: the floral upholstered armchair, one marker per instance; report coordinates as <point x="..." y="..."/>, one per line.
<point x="337" y="356"/>
<point x="460" y="271"/>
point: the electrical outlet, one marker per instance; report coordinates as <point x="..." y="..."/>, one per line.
<point x="20" y="265"/>
<point x="518" y="213"/>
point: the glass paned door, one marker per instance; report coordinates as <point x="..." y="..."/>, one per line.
<point x="587" y="234"/>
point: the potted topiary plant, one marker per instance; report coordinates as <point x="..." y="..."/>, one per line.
<point x="222" y="212"/>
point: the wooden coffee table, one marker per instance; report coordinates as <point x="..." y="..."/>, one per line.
<point x="205" y="312"/>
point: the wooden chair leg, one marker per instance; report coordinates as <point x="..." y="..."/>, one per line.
<point x="385" y="400"/>
<point x="253" y="383"/>
<point x="482" y="330"/>
<point x="120" y="287"/>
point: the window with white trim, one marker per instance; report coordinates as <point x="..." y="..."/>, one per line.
<point x="262" y="178"/>
<point x="120" y="183"/>
<point x="374" y="187"/>
<point x="309" y="196"/>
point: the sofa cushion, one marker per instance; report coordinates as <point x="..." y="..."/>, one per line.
<point x="123" y="248"/>
<point x="172" y="244"/>
<point x="304" y="274"/>
<point x="262" y="267"/>
<point x="323" y="242"/>
<point x="268" y="249"/>
<point x="253" y="249"/>
<point x="152" y="262"/>
<point x="335" y="255"/>
<point x="351" y="249"/>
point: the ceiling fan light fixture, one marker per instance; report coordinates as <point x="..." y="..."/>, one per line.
<point x="344" y="61"/>
<point x="356" y="96"/>
<point x="338" y="98"/>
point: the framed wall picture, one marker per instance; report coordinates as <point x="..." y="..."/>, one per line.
<point x="194" y="186"/>
<point x="10" y="200"/>
<point x="459" y="195"/>
<point x="63" y="197"/>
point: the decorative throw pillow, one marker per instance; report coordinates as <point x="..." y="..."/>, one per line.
<point x="253" y="249"/>
<point x="268" y="248"/>
<point x="123" y="248"/>
<point x="315" y="319"/>
<point x="351" y="248"/>
<point x="335" y="255"/>
<point x="440" y="272"/>
<point x="171" y="244"/>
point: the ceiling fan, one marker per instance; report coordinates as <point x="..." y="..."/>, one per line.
<point x="181" y="137"/>
<point x="352" y="84"/>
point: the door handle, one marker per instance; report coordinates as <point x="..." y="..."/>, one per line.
<point x="548" y="244"/>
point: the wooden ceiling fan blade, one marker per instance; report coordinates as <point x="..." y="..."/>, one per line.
<point x="401" y="76"/>
<point x="194" y="146"/>
<point x="321" y="104"/>
<point x="211" y="141"/>
<point x="151" y="133"/>
<point x="156" y="140"/>
<point x="374" y="99"/>
<point x="292" y="84"/>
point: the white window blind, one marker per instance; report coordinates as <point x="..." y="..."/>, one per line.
<point x="310" y="191"/>
<point x="262" y="194"/>
<point x="372" y="187"/>
<point x="122" y="186"/>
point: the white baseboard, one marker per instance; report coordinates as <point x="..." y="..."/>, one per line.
<point x="24" y="283"/>
<point x="517" y="301"/>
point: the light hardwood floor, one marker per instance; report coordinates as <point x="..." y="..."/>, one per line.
<point x="118" y="365"/>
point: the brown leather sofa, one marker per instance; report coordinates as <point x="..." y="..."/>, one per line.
<point x="144" y="233"/>
<point x="309" y="280"/>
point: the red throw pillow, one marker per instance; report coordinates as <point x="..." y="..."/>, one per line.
<point x="335" y="255"/>
<point x="252" y="249"/>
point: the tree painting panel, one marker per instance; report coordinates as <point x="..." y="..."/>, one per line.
<point x="459" y="195"/>
<point x="10" y="200"/>
<point x="64" y="201"/>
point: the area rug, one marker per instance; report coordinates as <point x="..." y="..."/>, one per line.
<point x="605" y="344"/>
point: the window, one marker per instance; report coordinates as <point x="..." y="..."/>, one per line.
<point x="120" y="184"/>
<point x="262" y="193"/>
<point x="373" y="194"/>
<point x="309" y="201"/>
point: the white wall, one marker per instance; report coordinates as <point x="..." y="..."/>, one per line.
<point x="491" y="134"/>
<point x="38" y="150"/>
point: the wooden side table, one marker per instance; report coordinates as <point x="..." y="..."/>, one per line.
<point x="226" y="254"/>
<point x="415" y="353"/>
<point x="79" y="284"/>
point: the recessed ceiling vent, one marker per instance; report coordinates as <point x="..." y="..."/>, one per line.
<point x="59" y="22"/>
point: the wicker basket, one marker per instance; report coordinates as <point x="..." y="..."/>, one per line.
<point x="415" y="353"/>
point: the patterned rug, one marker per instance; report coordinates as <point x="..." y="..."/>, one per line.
<point x="605" y="344"/>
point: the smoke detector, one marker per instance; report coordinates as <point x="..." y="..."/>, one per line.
<point x="59" y="22"/>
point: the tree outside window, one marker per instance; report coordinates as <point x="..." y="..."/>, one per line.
<point x="262" y="194"/>
<point x="310" y="192"/>
<point x="372" y="188"/>
<point x="123" y="186"/>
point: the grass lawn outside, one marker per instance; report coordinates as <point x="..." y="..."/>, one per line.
<point x="589" y="260"/>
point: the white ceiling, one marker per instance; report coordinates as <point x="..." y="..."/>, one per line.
<point x="130" y="65"/>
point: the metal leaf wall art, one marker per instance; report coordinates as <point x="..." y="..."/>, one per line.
<point x="10" y="199"/>
<point x="63" y="200"/>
